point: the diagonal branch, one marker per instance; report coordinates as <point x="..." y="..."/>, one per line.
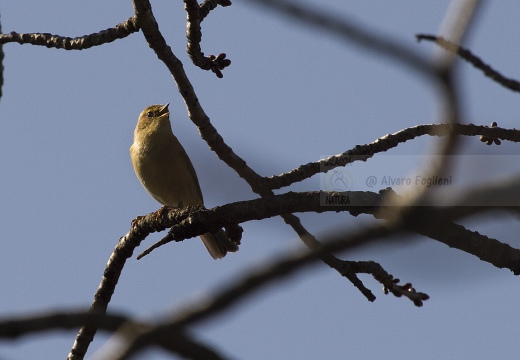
<point x="245" y="286"/>
<point x="457" y="236"/>
<point x="123" y="250"/>
<point x="149" y="26"/>
<point x="207" y="131"/>
<point x="348" y="31"/>
<point x="387" y="142"/>
<point x="190" y="223"/>
<point x="467" y="55"/>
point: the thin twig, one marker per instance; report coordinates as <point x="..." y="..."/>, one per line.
<point x="350" y="32"/>
<point x="385" y="143"/>
<point x="194" y="36"/>
<point x="467" y="55"/>
<point x="209" y="5"/>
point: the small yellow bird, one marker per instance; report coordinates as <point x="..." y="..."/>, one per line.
<point x="166" y="172"/>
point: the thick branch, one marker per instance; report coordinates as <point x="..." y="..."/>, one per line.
<point x="194" y="221"/>
<point x="428" y="220"/>
<point x="457" y="236"/>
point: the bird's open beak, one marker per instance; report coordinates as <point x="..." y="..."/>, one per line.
<point x="164" y="110"/>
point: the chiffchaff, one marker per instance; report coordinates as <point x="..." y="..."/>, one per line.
<point x="165" y="170"/>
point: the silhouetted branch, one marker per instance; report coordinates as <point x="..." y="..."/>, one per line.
<point x="194" y="36"/>
<point x="178" y="343"/>
<point x="209" y="5"/>
<point x="215" y="141"/>
<point x="457" y="236"/>
<point x="149" y="26"/>
<point x="182" y="221"/>
<point x="193" y="221"/>
<point x="245" y="286"/>
<point x="123" y="250"/>
<point x="426" y="219"/>
<point x="390" y="284"/>
<point x="186" y="223"/>
<point x="354" y="33"/>
<point x="387" y="142"/>
<point x="17" y="326"/>
<point x="207" y="131"/>
<point x="467" y="55"/>
<point x="437" y="222"/>
<point x="120" y="31"/>
<point x="175" y="342"/>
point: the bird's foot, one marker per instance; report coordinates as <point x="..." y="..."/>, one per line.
<point x="134" y="222"/>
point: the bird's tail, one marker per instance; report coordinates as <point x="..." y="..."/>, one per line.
<point x="218" y="244"/>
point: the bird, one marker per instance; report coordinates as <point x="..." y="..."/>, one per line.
<point x="166" y="172"/>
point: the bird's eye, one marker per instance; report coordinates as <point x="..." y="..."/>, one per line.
<point x="149" y="114"/>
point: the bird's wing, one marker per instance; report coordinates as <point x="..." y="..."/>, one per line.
<point x="191" y="169"/>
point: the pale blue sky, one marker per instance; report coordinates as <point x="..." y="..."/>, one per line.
<point x="291" y="95"/>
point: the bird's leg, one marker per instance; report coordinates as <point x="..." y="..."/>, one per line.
<point x="134" y="222"/>
<point x="166" y="208"/>
<point x="163" y="210"/>
<point x="159" y="213"/>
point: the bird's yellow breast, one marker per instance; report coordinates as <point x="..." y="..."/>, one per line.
<point x="164" y="169"/>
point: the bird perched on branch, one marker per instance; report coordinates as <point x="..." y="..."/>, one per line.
<point x="166" y="172"/>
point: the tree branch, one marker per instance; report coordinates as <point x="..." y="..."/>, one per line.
<point x="209" y="5"/>
<point x="120" y="31"/>
<point x="467" y="55"/>
<point x="207" y="131"/>
<point x="177" y="343"/>
<point x="245" y="286"/>
<point x="348" y="31"/>
<point x="387" y="142"/>
<point x="28" y="324"/>
<point x="426" y="219"/>
<point x="194" y="35"/>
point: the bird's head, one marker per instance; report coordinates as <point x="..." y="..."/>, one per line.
<point x="153" y="119"/>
